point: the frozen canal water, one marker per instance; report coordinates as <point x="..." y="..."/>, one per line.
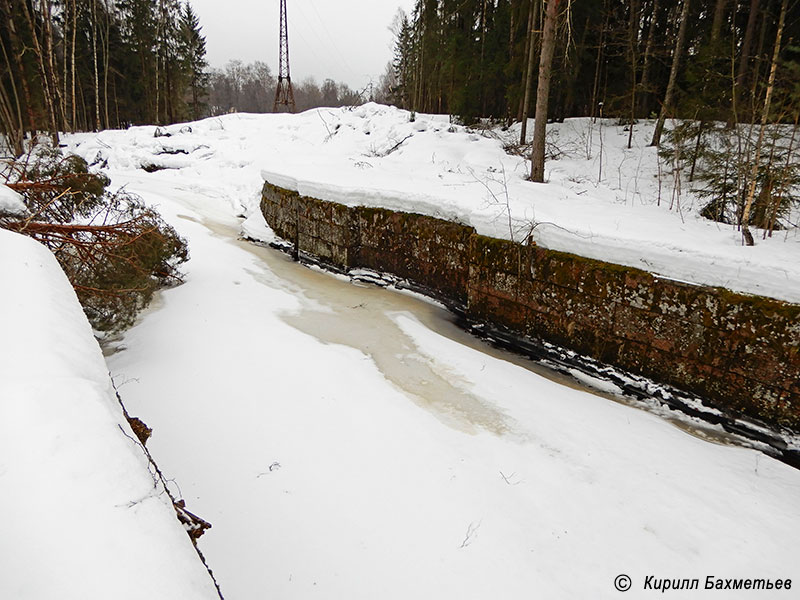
<point x="350" y="442"/>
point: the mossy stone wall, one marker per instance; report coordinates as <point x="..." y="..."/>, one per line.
<point x="740" y="352"/>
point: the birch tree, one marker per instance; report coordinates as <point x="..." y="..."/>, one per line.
<point x="747" y="236"/>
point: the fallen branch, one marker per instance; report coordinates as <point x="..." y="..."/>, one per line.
<point x="115" y="251"/>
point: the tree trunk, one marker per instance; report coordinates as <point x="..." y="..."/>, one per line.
<point x="574" y="71"/>
<point x="106" y="59"/>
<point x="599" y="61"/>
<point x="525" y="54"/>
<point x="755" y="74"/>
<point x="195" y="98"/>
<point x="11" y="113"/>
<point x="84" y="116"/>
<point x="11" y="126"/>
<point x="94" y="63"/>
<point x="511" y="32"/>
<point x="673" y="76"/>
<point x="168" y="91"/>
<point x="744" y="58"/>
<point x="531" y="45"/>
<point x="48" y="98"/>
<point x="719" y="16"/>
<point x="695" y="155"/>
<point x="159" y="30"/>
<point x="65" y="63"/>
<point x="748" y="237"/>
<point x="16" y="51"/>
<point x="648" y="54"/>
<point x="543" y="90"/>
<point x="74" y="43"/>
<point x="777" y="199"/>
<point x="483" y="55"/>
<point x="633" y="44"/>
<point x="55" y="85"/>
<point x="15" y="128"/>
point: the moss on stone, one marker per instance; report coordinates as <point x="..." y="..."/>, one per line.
<point x="682" y="334"/>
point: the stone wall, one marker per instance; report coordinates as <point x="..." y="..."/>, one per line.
<point x="742" y="353"/>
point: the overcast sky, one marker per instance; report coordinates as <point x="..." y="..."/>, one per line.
<point x="346" y="40"/>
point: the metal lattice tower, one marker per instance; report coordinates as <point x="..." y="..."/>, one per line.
<point x="284" y="94"/>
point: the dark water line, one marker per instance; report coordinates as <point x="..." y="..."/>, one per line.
<point x="694" y="415"/>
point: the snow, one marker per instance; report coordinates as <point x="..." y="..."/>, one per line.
<point x="343" y="449"/>
<point x="348" y="441"/>
<point x="82" y="518"/>
<point x="11" y="202"/>
<point x="602" y="201"/>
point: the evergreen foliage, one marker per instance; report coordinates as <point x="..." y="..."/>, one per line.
<point x="726" y="69"/>
<point x="469" y="57"/>
<point x="77" y="65"/>
<point x="717" y="68"/>
<point x="724" y="163"/>
<point x="193" y="54"/>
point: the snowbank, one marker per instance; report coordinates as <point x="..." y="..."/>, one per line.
<point x="82" y="517"/>
<point x="602" y="200"/>
<point x="10" y="202"/>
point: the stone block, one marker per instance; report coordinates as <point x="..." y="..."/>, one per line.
<point x="496" y="255"/>
<point x="532" y="294"/>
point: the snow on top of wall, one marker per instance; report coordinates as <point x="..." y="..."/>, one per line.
<point x="602" y="200"/>
<point x="83" y="519"/>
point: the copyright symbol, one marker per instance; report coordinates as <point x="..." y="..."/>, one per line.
<point x="622" y="583"/>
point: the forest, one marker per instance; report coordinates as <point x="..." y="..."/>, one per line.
<point x="727" y="72"/>
<point x="251" y="88"/>
<point x="78" y="65"/>
<point x="480" y="58"/>
<point x="83" y="65"/>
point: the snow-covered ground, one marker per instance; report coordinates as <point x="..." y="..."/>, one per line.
<point x="11" y="203"/>
<point x="348" y="442"/>
<point x="602" y="200"/>
<point x="82" y="517"/>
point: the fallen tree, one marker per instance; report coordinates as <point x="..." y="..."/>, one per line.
<point x="116" y="251"/>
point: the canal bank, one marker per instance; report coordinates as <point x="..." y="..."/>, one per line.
<point x="738" y="353"/>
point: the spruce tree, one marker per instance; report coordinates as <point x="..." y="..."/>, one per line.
<point x="193" y="58"/>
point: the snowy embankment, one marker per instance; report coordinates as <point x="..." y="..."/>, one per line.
<point x="82" y="517"/>
<point x="602" y="201"/>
